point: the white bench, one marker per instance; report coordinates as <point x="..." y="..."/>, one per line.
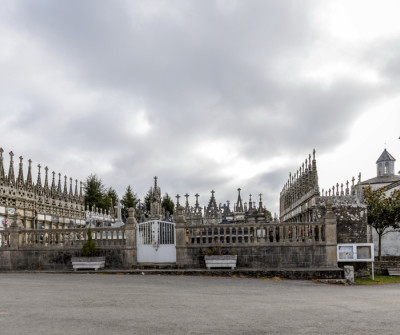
<point x="224" y="261"/>
<point x="394" y="271"/>
<point x="87" y="263"/>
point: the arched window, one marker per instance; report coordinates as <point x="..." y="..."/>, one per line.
<point x="386" y="170"/>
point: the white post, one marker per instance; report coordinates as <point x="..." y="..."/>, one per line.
<point x="373" y="276"/>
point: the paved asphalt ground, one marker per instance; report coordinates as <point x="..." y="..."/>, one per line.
<point x="39" y="303"/>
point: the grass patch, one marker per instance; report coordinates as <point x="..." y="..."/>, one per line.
<point x="378" y="280"/>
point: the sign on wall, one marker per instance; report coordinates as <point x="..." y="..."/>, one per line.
<point x="355" y="252"/>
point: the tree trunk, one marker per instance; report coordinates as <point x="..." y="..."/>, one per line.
<point x="380" y="246"/>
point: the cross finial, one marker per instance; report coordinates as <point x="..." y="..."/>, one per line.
<point x="260" y="196"/>
<point x="250" y="197"/>
<point x="119" y="207"/>
<point x="39" y="166"/>
<point x="212" y="192"/>
<point x="177" y="199"/>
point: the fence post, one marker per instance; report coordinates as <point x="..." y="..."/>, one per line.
<point x="330" y="236"/>
<point x="180" y="224"/>
<point x="130" y="259"/>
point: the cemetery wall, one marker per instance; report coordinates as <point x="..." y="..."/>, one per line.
<point x="53" y="259"/>
<point x="312" y="256"/>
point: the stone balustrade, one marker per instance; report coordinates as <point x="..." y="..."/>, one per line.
<point x="257" y="245"/>
<point x="71" y="238"/>
<point x="255" y="234"/>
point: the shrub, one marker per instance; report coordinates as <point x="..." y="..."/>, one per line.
<point x="89" y="248"/>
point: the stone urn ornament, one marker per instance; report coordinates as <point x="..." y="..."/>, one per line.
<point x="88" y="261"/>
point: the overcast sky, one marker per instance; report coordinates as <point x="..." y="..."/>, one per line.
<point x="203" y="94"/>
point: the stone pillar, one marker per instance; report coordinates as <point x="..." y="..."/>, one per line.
<point x="181" y="248"/>
<point x="130" y="257"/>
<point x="349" y="274"/>
<point x="330" y="236"/>
<point x="14" y="245"/>
<point x="14" y="236"/>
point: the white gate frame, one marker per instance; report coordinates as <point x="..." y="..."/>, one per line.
<point x="156" y="241"/>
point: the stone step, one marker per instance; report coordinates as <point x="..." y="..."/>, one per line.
<point x="142" y="266"/>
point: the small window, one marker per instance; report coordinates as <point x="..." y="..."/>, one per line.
<point x="386" y="170"/>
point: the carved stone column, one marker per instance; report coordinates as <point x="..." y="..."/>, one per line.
<point x="130" y="259"/>
<point x="330" y="236"/>
<point x="181" y="248"/>
<point x="14" y="236"/>
<point x="14" y="244"/>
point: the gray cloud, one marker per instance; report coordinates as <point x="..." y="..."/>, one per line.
<point x="195" y="71"/>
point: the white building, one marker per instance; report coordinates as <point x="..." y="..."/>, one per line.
<point x="386" y="177"/>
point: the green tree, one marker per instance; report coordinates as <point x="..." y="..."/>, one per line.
<point x="167" y="204"/>
<point x="128" y="200"/>
<point x="148" y="200"/>
<point x="383" y="212"/>
<point x="95" y="192"/>
<point x="268" y="215"/>
<point x="111" y="199"/>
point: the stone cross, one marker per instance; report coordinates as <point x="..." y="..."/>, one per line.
<point x="177" y="200"/>
<point x="119" y="207"/>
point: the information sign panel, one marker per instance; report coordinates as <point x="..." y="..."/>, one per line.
<point x="355" y="252"/>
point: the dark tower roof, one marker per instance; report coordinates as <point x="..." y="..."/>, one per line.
<point x="385" y="156"/>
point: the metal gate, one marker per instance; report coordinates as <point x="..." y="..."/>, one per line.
<point x="156" y="242"/>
